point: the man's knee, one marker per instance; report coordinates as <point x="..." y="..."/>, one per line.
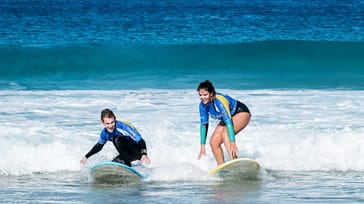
<point x="122" y="161"/>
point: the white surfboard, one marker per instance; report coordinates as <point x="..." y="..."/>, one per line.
<point x="113" y="172"/>
<point x="240" y="168"/>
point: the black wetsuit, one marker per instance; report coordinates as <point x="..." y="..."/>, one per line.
<point x="126" y="139"/>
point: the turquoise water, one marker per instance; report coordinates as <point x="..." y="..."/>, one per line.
<point x="298" y="65"/>
<point x="256" y="65"/>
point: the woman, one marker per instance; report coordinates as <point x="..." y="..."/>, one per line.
<point x="234" y="116"/>
<point x="126" y="139"/>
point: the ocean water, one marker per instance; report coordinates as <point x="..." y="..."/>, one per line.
<point x="298" y="65"/>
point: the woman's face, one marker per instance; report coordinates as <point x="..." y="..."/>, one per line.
<point x="109" y="124"/>
<point x="205" y="96"/>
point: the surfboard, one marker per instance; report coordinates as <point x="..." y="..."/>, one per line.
<point x="240" y="168"/>
<point x="114" y="172"/>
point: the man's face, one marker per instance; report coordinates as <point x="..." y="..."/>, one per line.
<point x="109" y="124"/>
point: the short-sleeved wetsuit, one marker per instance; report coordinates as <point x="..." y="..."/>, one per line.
<point x="126" y="139"/>
<point x="222" y="107"/>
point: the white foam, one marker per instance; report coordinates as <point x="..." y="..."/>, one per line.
<point x="290" y="129"/>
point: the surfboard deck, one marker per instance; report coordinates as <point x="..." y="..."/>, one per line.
<point x="240" y="168"/>
<point x="113" y="172"/>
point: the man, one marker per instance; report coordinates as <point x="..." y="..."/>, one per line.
<point x="126" y="139"/>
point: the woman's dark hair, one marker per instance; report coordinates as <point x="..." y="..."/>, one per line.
<point x="107" y="113"/>
<point x="207" y="85"/>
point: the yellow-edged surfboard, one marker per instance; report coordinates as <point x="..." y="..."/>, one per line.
<point x="237" y="169"/>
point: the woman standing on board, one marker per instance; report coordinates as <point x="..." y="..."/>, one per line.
<point x="234" y="116"/>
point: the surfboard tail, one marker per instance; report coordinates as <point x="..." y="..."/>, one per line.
<point x="237" y="168"/>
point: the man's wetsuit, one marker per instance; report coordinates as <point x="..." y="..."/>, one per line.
<point x="126" y="139"/>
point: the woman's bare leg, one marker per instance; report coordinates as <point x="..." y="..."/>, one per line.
<point x="215" y="143"/>
<point x="240" y="121"/>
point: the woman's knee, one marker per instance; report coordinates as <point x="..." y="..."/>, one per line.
<point x="216" y="140"/>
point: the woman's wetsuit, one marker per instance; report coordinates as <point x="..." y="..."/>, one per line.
<point x="223" y="107"/>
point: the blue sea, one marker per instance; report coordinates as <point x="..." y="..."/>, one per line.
<point x="298" y="66"/>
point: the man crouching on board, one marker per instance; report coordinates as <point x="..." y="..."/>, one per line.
<point x="126" y="139"/>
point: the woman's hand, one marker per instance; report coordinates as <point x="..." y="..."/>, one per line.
<point x="202" y="152"/>
<point x="233" y="150"/>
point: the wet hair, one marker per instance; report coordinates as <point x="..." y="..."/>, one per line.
<point x="107" y="113"/>
<point x="207" y="85"/>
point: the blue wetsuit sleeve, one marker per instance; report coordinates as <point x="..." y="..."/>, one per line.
<point x="204" y="123"/>
<point x="103" y="137"/>
<point x="204" y="117"/>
